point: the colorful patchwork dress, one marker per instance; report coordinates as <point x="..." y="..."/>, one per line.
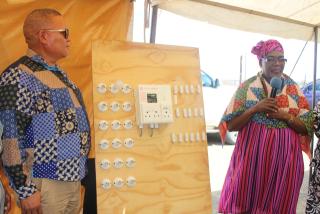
<point x="266" y="169"/>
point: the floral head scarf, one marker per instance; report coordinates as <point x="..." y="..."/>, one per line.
<point x="263" y="48"/>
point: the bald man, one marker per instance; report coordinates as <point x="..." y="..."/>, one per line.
<point x="46" y="135"/>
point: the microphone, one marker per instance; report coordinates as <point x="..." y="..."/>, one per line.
<point x="275" y="83"/>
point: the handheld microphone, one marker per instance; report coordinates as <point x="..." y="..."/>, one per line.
<point x="275" y="83"/>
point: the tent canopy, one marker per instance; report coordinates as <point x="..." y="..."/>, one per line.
<point x="283" y="18"/>
<point x="293" y="19"/>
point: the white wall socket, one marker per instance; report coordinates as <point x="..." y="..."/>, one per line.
<point x="130" y="162"/>
<point x="118" y="163"/>
<point x="116" y="143"/>
<point x="126" y="106"/>
<point x="131" y="181"/>
<point x="104" y="144"/>
<point x="102" y="88"/>
<point x="105" y="164"/>
<point x="115" y="106"/>
<point x="128" y="124"/>
<point x="103" y="125"/>
<point x="118" y="182"/>
<point x="128" y="142"/>
<point x="116" y="124"/>
<point x="106" y="183"/>
<point x="102" y="106"/>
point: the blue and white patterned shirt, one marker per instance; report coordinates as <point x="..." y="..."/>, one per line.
<point x="46" y="130"/>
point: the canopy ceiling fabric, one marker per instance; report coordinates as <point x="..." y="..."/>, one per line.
<point x="294" y="19"/>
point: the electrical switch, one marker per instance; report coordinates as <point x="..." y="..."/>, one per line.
<point x="191" y="137"/>
<point x="103" y="125"/>
<point x="191" y="89"/>
<point x="173" y="137"/>
<point x="186" y="89"/>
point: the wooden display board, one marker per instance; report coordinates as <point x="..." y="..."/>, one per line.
<point x="171" y="162"/>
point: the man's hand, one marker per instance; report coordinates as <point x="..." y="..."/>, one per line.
<point x="32" y="204"/>
<point x="7" y="202"/>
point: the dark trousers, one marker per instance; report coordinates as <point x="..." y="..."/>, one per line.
<point x="90" y="196"/>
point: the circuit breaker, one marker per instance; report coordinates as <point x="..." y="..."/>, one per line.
<point x="154" y="104"/>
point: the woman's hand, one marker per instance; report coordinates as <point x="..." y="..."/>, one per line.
<point x="293" y="122"/>
<point x="280" y="115"/>
<point x="267" y="105"/>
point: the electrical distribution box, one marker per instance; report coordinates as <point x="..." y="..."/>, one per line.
<point x="154" y="104"/>
<point x="140" y="122"/>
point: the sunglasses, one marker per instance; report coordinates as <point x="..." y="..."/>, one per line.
<point x="64" y="32"/>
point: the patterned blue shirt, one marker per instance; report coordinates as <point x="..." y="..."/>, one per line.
<point x="46" y="130"/>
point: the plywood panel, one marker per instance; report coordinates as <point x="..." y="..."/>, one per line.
<point x="172" y="177"/>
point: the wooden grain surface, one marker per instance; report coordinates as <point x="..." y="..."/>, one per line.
<point x="171" y="177"/>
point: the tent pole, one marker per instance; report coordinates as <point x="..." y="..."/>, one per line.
<point x="315" y="29"/>
<point x="240" y="70"/>
<point x="154" y="24"/>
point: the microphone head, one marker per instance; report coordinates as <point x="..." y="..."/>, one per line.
<point x="276" y="82"/>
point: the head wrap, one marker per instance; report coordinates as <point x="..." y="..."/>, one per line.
<point x="263" y="48"/>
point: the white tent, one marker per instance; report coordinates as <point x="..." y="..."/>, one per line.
<point x="295" y="19"/>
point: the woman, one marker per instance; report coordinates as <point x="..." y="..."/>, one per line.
<point x="266" y="169"/>
<point x="313" y="199"/>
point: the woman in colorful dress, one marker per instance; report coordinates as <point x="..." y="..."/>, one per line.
<point x="266" y="169"/>
<point x="313" y="199"/>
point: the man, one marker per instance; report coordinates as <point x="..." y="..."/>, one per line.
<point x="46" y="135"/>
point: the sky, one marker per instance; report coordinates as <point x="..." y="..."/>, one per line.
<point x="221" y="48"/>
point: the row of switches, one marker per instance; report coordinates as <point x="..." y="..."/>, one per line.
<point x="114" y="106"/>
<point x="188" y="112"/>
<point x="186" y="89"/>
<point x="114" y="88"/>
<point x="116" y="143"/>
<point x="118" y="163"/>
<point x="118" y="182"/>
<point x="115" y="124"/>
<point x="188" y="137"/>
